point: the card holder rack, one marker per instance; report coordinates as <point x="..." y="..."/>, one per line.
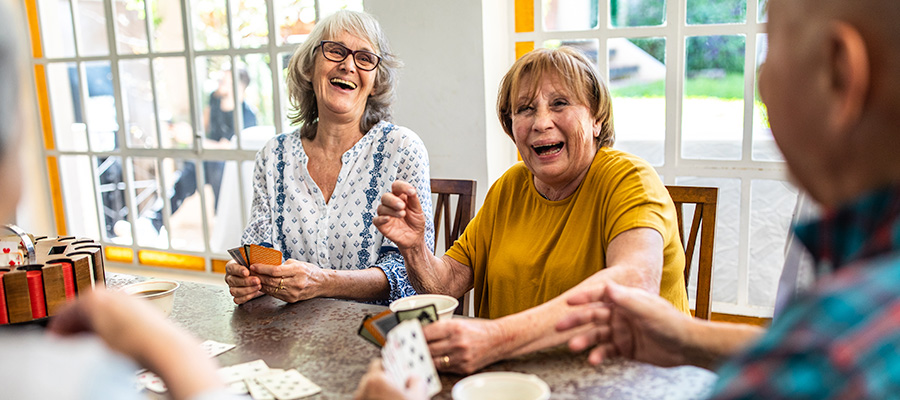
<point x="58" y="270"/>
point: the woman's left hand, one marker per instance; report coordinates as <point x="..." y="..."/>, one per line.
<point x="463" y="345"/>
<point x="292" y="281"/>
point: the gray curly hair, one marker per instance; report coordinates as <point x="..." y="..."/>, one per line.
<point x="304" y="111"/>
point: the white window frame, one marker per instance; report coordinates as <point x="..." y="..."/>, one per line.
<point x="126" y="153"/>
<point x="676" y="30"/>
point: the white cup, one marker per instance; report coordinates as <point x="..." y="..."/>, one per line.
<point x="160" y="293"/>
<point x="445" y="305"/>
<point x="501" y="386"/>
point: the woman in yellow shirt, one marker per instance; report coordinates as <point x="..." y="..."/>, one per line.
<point x="573" y="215"/>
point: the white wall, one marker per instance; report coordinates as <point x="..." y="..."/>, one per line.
<point x="446" y="92"/>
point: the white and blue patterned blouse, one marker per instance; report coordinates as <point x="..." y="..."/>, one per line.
<point x="290" y="214"/>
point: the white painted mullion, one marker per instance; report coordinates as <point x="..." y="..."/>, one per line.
<point x="743" y="275"/>
<point x="603" y="45"/>
<point x="675" y="65"/>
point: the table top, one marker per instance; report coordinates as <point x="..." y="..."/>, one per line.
<point x="318" y="337"/>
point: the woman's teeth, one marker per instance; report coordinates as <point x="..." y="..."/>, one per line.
<point x="343" y="84"/>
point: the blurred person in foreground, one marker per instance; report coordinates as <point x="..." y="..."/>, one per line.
<point x="575" y="214"/>
<point x="832" y="91"/>
<point x="89" y="350"/>
<point x="315" y="190"/>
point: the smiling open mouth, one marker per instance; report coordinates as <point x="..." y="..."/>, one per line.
<point x="548" y="149"/>
<point x="343" y="84"/>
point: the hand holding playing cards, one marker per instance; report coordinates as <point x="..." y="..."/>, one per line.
<point x="242" y="285"/>
<point x="464" y="345"/>
<point x="138" y="330"/>
<point x="292" y="281"/>
<point x="400" y="216"/>
<point x="375" y="385"/>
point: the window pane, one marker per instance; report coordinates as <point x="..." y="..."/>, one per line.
<point x="251" y="23"/>
<point x="92" y="37"/>
<point x="225" y="223"/>
<point x="186" y="222"/>
<point x="79" y="196"/>
<point x="570" y="15"/>
<point x="295" y="18"/>
<point x="168" y="35"/>
<point x="637" y="12"/>
<point x="65" y="105"/>
<point x="258" y="109"/>
<point x="590" y="47"/>
<point x="112" y="197"/>
<point x="728" y="234"/>
<point x="763" y="13"/>
<point x="175" y="111"/>
<point x="327" y="8"/>
<point x="209" y="24"/>
<point x="137" y="95"/>
<point x="637" y="73"/>
<point x="100" y="110"/>
<point x="764" y="146"/>
<point x="147" y="201"/>
<point x="716" y="11"/>
<point x="713" y="108"/>
<point x="771" y="205"/>
<point x="131" y="28"/>
<point x="56" y="28"/>
<point x="215" y="81"/>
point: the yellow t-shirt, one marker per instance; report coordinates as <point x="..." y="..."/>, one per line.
<point x="525" y="250"/>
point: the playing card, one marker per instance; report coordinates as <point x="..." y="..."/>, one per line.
<point x="257" y="390"/>
<point x="289" y="385"/>
<point x="362" y="331"/>
<point x="239" y="372"/>
<point x="425" y="314"/>
<point x="237" y="256"/>
<point x="406" y="354"/>
<point x="257" y="254"/>
<point x="213" y="348"/>
<point x="369" y="324"/>
<point x="386" y="323"/>
<point x="238" y="387"/>
<point x="152" y="382"/>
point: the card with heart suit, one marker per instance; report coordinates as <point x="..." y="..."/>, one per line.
<point x="289" y="385"/>
<point x="257" y="254"/>
<point x="405" y="354"/>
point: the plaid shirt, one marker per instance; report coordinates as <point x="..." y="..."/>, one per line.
<point x="841" y="339"/>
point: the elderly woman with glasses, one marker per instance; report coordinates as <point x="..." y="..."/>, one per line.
<point x="575" y="214"/>
<point x="316" y="190"/>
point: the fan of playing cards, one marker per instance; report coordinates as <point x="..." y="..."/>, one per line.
<point x="255" y="254"/>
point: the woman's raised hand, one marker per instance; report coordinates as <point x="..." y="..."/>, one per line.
<point x="400" y="216"/>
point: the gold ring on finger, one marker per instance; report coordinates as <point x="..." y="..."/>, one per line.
<point x="445" y="361"/>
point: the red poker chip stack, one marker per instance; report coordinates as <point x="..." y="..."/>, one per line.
<point x="62" y="269"/>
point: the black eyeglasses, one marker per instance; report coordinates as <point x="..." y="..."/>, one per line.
<point x="364" y="60"/>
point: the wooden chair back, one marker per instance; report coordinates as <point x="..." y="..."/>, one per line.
<point x="464" y="190"/>
<point x="465" y="208"/>
<point x="703" y="226"/>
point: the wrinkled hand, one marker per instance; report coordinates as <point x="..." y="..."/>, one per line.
<point x="243" y="285"/>
<point x="375" y="385"/>
<point x="292" y="281"/>
<point x="627" y="322"/>
<point x="400" y="216"/>
<point x="466" y="345"/>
